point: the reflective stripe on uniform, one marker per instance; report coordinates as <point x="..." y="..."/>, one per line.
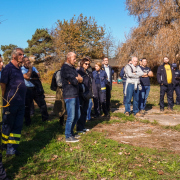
<point x="103" y="88"/>
<point x="4" y="142"/>
<point x="5" y="136"/>
<point x="15" y="135"/>
<point x="10" y="142"/>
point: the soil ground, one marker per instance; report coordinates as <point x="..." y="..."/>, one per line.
<point x="141" y="134"/>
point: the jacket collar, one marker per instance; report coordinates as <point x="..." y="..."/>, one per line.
<point x="168" y="63"/>
<point x="68" y="64"/>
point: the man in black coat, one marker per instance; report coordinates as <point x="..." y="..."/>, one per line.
<point x="165" y="77"/>
<point x="70" y="80"/>
<point x="109" y="71"/>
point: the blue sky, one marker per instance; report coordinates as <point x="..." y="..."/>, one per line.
<point x="25" y="16"/>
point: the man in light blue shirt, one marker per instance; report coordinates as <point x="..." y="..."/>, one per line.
<point x="24" y="71"/>
<point x="33" y="92"/>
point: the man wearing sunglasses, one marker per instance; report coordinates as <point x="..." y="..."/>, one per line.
<point x="13" y="93"/>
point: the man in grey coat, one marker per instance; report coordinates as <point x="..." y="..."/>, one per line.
<point x="133" y="73"/>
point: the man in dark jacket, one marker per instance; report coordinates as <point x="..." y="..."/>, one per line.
<point x="70" y="80"/>
<point x="165" y="77"/>
<point x="176" y="86"/>
<point x="109" y="71"/>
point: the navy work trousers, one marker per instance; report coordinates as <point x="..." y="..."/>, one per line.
<point x="11" y="127"/>
<point x="169" y="90"/>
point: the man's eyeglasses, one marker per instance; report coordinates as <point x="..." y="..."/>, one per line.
<point x="87" y="64"/>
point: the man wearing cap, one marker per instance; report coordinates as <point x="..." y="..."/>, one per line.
<point x="165" y="78"/>
<point x="176" y="86"/>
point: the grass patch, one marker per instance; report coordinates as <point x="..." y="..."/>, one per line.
<point x="154" y="122"/>
<point x="47" y="156"/>
<point x="149" y="131"/>
<point x="177" y="127"/>
<point x="124" y="117"/>
<point x="145" y="121"/>
<point x="47" y="89"/>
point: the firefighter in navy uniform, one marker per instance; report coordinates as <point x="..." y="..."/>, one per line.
<point x="13" y="91"/>
<point x="176" y="86"/>
<point x="3" y="175"/>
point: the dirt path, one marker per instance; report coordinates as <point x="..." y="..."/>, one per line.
<point x="142" y="135"/>
<point x="166" y="118"/>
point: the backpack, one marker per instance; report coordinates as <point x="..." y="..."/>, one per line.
<point x="53" y="82"/>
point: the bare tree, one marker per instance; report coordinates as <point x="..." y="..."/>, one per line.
<point x="158" y="33"/>
<point x="109" y="44"/>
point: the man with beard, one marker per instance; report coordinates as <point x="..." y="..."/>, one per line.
<point x="165" y="78"/>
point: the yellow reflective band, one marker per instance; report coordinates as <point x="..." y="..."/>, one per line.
<point x="4" y="142"/>
<point x="5" y="136"/>
<point x="103" y="88"/>
<point x="10" y="142"/>
<point x="15" y="135"/>
<point x="13" y="142"/>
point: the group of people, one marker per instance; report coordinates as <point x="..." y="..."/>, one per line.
<point x="78" y="87"/>
<point x="136" y="84"/>
<point x="75" y="89"/>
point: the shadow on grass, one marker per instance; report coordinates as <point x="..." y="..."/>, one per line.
<point x="34" y="139"/>
<point x="115" y="104"/>
<point x="92" y="123"/>
<point x="149" y="106"/>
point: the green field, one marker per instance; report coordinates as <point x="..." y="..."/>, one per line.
<point x="46" y="155"/>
